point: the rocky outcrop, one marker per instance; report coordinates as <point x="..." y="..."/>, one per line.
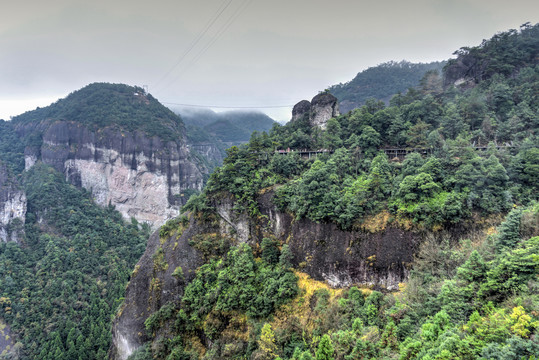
<point x="301" y="109"/>
<point x="12" y="207"/>
<point x="320" y="109"/>
<point x="142" y="176"/>
<point x="341" y="258"/>
<point x="153" y="284"/>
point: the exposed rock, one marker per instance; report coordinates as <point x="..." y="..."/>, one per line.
<point x="341" y="258"/>
<point x="12" y="207"/>
<point x="141" y="176"/>
<point x="209" y="151"/>
<point x="152" y="285"/>
<point x="322" y="107"/>
<point x="300" y="109"/>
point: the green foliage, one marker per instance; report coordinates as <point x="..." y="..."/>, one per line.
<point x="381" y="82"/>
<point x="102" y="105"/>
<point x="509" y="230"/>
<point x="512" y="271"/>
<point x="65" y="284"/>
<point x="325" y="349"/>
<point x="465" y="299"/>
<point x="453" y="174"/>
<point x="227" y="286"/>
<point x="11" y="148"/>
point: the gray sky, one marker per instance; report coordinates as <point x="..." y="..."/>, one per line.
<point x="228" y="52"/>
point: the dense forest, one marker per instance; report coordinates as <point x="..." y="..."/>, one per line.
<point x="472" y="158"/>
<point x="381" y="82"/>
<point x="100" y="105"/>
<point x="61" y="287"/>
<point x="469" y="136"/>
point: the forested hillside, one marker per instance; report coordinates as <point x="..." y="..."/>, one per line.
<point x="62" y="284"/>
<point x="382" y="82"/>
<point x="225" y="128"/>
<point x="63" y="279"/>
<point x="100" y="105"/>
<point x="472" y="162"/>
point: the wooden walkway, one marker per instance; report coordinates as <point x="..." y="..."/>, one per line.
<point x="392" y="153"/>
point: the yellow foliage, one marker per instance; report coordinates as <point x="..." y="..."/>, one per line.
<point x="266" y="343"/>
<point x="195" y="344"/>
<point x="237" y="328"/>
<point x="521" y="322"/>
<point x="375" y="223"/>
<point x="265" y="190"/>
<point x="299" y="309"/>
<point x="491" y="230"/>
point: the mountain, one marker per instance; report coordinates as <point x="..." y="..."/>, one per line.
<point x="229" y="127"/>
<point x="119" y="143"/>
<point x="381" y="82"/>
<point x="82" y="183"/>
<point x="406" y="230"/>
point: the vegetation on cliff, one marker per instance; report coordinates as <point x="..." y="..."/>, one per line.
<point x="472" y="153"/>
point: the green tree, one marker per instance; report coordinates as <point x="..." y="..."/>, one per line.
<point x="325" y="349"/>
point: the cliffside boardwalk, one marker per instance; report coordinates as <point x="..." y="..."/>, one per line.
<point x="392" y="153"/>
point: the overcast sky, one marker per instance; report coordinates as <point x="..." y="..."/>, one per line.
<point x="229" y="52"/>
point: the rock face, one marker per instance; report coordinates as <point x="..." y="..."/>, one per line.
<point x="322" y="250"/>
<point x="320" y="109"/>
<point x="153" y="285"/>
<point x="324" y="106"/>
<point x="209" y="151"/>
<point x="142" y="176"/>
<point x="300" y="109"/>
<point x="12" y="207"/>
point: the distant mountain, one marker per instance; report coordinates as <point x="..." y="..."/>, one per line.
<point x="381" y="82"/>
<point x="230" y="127"/>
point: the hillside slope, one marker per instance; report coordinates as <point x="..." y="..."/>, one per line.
<point x="381" y="82"/>
<point x="433" y="197"/>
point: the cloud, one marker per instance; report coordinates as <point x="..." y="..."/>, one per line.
<point x="255" y="53"/>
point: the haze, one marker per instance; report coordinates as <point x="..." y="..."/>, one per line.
<point x="228" y="53"/>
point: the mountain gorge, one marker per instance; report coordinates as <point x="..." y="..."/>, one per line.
<point x="406" y="228"/>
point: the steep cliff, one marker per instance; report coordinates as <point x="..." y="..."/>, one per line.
<point x="12" y="207"/>
<point x="341" y="258"/>
<point x="120" y="144"/>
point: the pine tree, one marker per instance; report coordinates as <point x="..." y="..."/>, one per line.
<point x="325" y="349"/>
<point x="509" y="230"/>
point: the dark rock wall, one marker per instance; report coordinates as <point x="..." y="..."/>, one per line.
<point x="341" y="258"/>
<point x="142" y="176"/>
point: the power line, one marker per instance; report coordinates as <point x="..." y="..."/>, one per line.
<point x="228" y="107"/>
<point x="191" y="46"/>
<point x="239" y="10"/>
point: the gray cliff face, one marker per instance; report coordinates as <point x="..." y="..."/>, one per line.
<point x="321" y="250"/>
<point x="141" y="176"/>
<point x="320" y="109"/>
<point x="300" y="109"/>
<point x="12" y="207"/>
<point x="152" y="285"/>
<point x="209" y="151"/>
